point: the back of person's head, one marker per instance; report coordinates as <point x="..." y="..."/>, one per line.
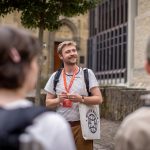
<point x="63" y="44"/>
<point x="17" y="50"/>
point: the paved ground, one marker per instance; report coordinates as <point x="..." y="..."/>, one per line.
<point x="108" y="131"/>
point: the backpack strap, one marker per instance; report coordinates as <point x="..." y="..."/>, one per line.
<point x="14" y="122"/>
<point x="86" y="79"/>
<point x="56" y="78"/>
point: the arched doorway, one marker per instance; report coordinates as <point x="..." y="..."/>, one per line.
<point x="67" y="31"/>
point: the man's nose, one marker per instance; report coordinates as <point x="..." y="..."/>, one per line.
<point x="72" y="53"/>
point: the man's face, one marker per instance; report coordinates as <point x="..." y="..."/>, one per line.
<point x="69" y="55"/>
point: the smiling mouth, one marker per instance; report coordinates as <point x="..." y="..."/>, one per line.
<point x="73" y="58"/>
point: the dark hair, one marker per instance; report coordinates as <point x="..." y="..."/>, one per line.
<point x="12" y="73"/>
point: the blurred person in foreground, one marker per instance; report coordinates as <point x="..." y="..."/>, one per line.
<point x="134" y="132"/>
<point x="22" y="123"/>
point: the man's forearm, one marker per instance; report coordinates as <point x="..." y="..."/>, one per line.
<point x="93" y="100"/>
<point x="51" y="103"/>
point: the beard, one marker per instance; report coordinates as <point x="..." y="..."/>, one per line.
<point x="70" y="62"/>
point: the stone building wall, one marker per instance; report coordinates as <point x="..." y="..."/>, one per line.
<point x="14" y="21"/>
<point x="81" y="26"/>
<point x="142" y="31"/>
<point x="82" y="21"/>
<point x="143" y="6"/>
<point x="75" y="28"/>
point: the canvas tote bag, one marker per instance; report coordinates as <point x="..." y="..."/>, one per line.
<point x="90" y="121"/>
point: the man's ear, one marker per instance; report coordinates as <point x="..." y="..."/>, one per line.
<point x="147" y="67"/>
<point x="60" y="56"/>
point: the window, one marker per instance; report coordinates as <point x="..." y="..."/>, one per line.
<point x="110" y="43"/>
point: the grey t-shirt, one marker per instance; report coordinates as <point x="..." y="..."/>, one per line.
<point x="78" y="87"/>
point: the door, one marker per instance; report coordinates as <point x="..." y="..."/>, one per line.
<point x="57" y="61"/>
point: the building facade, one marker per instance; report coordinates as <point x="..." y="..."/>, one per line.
<point x="111" y="40"/>
<point x="119" y="30"/>
<point x="75" y="28"/>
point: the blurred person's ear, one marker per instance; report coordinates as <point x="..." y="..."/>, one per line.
<point x="147" y="67"/>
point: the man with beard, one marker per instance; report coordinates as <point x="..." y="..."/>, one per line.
<point x="71" y="90"/>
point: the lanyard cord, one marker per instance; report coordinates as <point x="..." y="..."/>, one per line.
<point x="71" y="81"/>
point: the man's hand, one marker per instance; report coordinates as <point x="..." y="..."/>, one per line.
<point x="73" y="97"/>
<point x="62" y="96"/>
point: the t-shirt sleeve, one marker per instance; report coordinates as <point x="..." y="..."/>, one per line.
<point x="49" y="87"/>
<point x="92" y="79"/>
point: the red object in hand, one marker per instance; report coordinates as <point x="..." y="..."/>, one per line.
<point x="67" y="103"/>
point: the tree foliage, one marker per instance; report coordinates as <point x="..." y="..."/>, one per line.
<point x="45" y="13"/>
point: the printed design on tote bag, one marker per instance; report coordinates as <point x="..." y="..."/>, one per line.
<point x="92" y="120"/>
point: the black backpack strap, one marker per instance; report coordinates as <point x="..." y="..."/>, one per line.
<point x="86" y="79"/>
<point x="56" y="78"/>
<point x="14" y="122"/>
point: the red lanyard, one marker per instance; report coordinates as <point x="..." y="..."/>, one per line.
<point x="71" y="81"/>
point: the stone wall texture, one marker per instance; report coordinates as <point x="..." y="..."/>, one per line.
<point x="143" y="6"/>
<point x="142" y="32"/>
<point x="120" y="101"/>
<point x="80" y="24"/>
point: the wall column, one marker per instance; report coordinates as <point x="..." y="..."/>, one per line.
<point x="132" y="10"/>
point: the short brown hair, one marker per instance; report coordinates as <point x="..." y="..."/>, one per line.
<point x="63" y="44"/>
<point x="12" y="74"/>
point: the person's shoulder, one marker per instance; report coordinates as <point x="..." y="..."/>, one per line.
<point x="90" y="73"/>
<point x="48" y="119"/>
<point x="138" y="115"/>
<point x="50" y="123"/>
<point x="49" y="126"/>
<point x="135" y="122"/>
<point x="135" y="126"/>
<point x="56" y="72"/>
<point x="53" y="74"/>
<point x="88" y="69"/>
<point x="52" y="115"/>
